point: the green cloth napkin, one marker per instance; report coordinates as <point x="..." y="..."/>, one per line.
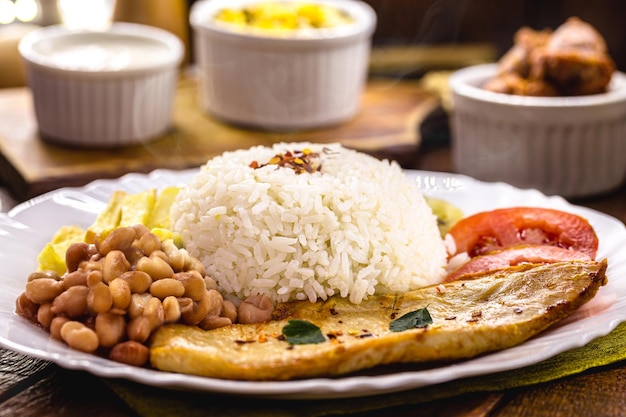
<point x="156" y="402"/>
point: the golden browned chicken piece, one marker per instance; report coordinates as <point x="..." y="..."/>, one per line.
<point x="575" y="59"/>
<point x="513" y="83"/>
<point x="517" y="59"/>
<point x="572" y="60"/>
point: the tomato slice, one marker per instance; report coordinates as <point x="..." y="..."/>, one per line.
<point x="487" y="231"/>
<point x="514" y="256"/>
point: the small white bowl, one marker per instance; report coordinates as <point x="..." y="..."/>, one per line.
<point x="309" y="79"/>
<point x="102" y="88"/>
<point x="570" y="146"/>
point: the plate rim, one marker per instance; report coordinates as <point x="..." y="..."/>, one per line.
<point x="430" y="182"/>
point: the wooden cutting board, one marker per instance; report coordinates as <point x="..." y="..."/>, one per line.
<point x="386" y="126"/>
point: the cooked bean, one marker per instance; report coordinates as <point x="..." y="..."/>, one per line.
<point x="137" y="304"/>
<point x="26" y="308"/>
<point x="72" y="302"/>
<point x="167" y="287"/>
<point x="110" y="328"/>
<point x="55" y="326"/>
<point x="99" y="299"/>
<point x="138" y="281"/>
<point x="120" y="293"/>
<point x="45" y="315"/>
<point x="94" y="278"/>
<point x="176" y="258"/>
<point x="115" y="264"/>
<point x="185" y="303"/>
<point x="78" y="277"/>
<point x="79" y="337"/>
<point x="155" y="266"/>
<point x="119" y="239"/>
<point x="75" y="254"/>
<point x="255" y="309"/>
<point x="44" y="274"/>
<point x="196" y="265"/>
<point x="193" y="284"/>
<point x="210" y="283"/>
<point x="130" y="352"/>
<point x="43" y="290"/>
<point x="123" y="286"/>
<point x="171" y="309"/>
<point x="139" y="329"/>
<point x="140" y="229"/>
<point x="149" y="243"/>
<point x="214" y="322"/>
<point x="198" y="311"/>
<point x="153" y="310"/>
<point x="133" y="255"/>
<point x="229" y="310"/>
<point x="215" y="302"/>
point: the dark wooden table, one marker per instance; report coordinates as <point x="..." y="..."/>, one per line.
<point x="31" y="387"/>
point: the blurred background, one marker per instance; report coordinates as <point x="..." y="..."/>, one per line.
<point x="412" y="36"/>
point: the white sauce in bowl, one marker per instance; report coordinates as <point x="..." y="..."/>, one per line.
<point x="93" y="52"/>
<point x="123" y="48"/>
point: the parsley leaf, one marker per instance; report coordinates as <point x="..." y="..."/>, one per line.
<point x="412" y="320"/>
<point x="301" y="332"/>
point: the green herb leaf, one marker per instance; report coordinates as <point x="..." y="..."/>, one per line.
<point x="301" y="332"/>
<point x="413" y="320"/>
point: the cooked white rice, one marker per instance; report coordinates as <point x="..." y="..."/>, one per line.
<point x="358" y="227"/>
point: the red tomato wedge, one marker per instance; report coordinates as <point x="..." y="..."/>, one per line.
<point x="514" y="256"/>
<point x="484" y="232"/>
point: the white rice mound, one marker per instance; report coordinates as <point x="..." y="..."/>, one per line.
<point x="357" y="228"/>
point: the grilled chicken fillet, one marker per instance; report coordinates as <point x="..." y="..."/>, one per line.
<point x="495" y="311"/>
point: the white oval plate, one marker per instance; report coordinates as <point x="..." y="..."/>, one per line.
<point x="27" y="228"/>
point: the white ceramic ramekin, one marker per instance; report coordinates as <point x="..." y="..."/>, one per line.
<point x="102" y="88"/>
<point x="570" y="146"/>
<point x="306" y="80"/>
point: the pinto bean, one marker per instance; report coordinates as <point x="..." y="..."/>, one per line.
<point x="167" y="287"/>
<point x="44" y="274"/>
<point x="119" y="239"/>
<point x="138" y="281"/>
<point x="153" y="310"/>
<point x="255" y="309"/>
<point x="155" y="266"/>
<point x="140" y="230"/>
<point x="110" y="328"/>
<point x="45" y="315"/>
<point x="120" y="293"/>
<point x="131" y="353"/>
<point x="79" y="337"/>
<point x="139" y="329"/>
<point x="55" y="326"/>
<point x="149" y="243"/>
<point x="176" y="257"/>
<point x="193" y="283"/>
<point x="72" y="302"/>
<point x="77" y="277"/>
<point x="214" y="322"/>
<point x="26" y="308"/>
<point x="229" y="310"/>
<point x="43" y="290"/>
<point x="171" y="309"/>
<point x="115" y="264"/>
<point x="99" y="299"/>
<point x="77" y="253"/>
<point x="137" y="304"/>
<point x="198" y="311"/>
<point x="94" y="278"/>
